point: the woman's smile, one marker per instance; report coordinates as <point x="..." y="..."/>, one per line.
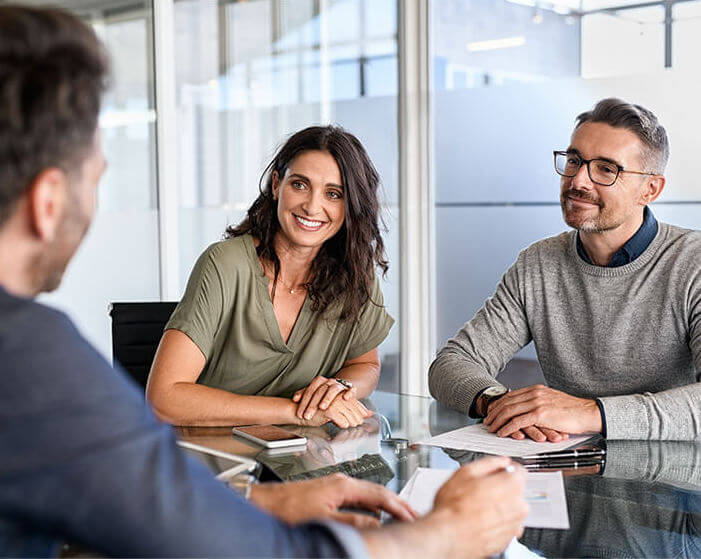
<point x="308" y="224"/>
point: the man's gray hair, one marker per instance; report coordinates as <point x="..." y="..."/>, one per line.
<point x="639" y="120"/>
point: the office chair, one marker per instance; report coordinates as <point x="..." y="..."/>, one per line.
<point x="136" y="330"/>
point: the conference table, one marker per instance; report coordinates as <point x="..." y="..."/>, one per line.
<point x="645" y="503"/>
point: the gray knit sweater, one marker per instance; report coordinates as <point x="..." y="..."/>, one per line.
<point x="629" y="335"/>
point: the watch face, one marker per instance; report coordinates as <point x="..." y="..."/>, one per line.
<point x="495" y="391"/>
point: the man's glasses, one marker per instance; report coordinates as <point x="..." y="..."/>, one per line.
<point x="601" y="171"/>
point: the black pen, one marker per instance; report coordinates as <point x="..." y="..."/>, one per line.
<point x="575" y="464"/>
<point x="586" y="453"/>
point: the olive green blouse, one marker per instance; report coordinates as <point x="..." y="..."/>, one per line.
<point x="227" y="312"/>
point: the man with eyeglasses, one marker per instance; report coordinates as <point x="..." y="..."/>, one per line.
<point x="613" y="307"/>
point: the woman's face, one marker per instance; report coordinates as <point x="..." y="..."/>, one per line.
<point x="311" y="204"/>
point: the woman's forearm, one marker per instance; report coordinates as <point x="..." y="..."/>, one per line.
<point x="185" y="403"/>
<point x="364" y="377"/>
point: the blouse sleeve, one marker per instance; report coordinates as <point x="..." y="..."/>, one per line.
<point x="373" y="324"/>
<point x="199" y="313"/>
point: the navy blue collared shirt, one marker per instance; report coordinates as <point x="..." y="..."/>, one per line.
<point x="635" y="246"/>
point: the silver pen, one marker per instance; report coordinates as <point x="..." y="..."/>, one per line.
<point x="585" y="453"/>
<point x="574" y="464"/>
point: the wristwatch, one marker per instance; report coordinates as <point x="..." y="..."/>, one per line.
<point x="488" y="396"/>
<point x="348" y="384"/>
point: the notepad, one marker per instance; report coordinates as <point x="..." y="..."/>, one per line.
<point x="477" y="439"/>
<point x="544" y="492"/>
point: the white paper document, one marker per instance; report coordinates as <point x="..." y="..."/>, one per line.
<point x="544" y="492"/>
<point x="477" y="439"/>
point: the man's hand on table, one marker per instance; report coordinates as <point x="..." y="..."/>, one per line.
<point x="322" y="498"/>
<point x="542" y="413"/>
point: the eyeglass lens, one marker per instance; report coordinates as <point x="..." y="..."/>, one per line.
<point x="600" y="171"/>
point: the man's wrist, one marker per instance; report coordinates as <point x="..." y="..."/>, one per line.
<point x="480" y="406"/>
<point x="259" y="494"/>
<point x="595" y="418"/>
<point x="430" y="535"/>
<point x="486" y="397"/>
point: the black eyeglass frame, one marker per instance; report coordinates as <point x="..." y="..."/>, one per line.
<point x="620" y="169"/>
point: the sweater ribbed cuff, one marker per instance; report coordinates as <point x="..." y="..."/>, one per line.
<point x="626" y="417"/>
<point x="602" y="411"/>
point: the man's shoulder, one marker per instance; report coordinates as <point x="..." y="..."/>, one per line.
<point x="680" y="248"/>
<point x="38" y="342"/>
<point x="550" y="247"/>
<point x="686" y="239"/>
<point x="20" y="317"/>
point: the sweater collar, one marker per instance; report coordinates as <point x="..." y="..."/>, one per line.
<point x="633" y="248"/>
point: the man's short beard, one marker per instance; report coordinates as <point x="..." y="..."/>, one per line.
<point x="51" y="266"/>
<point x="589" y="226"/>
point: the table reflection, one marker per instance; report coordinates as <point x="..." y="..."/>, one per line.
<point x="645" y="502"/>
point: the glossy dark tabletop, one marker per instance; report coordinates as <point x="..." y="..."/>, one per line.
<point x="646" y="503"/>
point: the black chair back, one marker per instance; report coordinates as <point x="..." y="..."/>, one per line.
<point x="136" y="331"/>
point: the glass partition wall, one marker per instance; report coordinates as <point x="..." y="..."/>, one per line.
<point x="246" y="75"/>
<point x="510" y="76"/>
<point x="507" y="78"/>
<point x="119" y="259"/>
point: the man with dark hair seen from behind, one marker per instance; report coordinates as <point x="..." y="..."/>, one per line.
<point x="82" y="457"/>
<point x="613" y="307"/>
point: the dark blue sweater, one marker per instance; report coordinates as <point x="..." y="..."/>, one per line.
<point x="83" y="458"/>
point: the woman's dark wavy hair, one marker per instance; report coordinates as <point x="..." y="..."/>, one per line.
<point x="344" y="268"/>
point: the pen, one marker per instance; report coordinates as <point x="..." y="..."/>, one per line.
<point x="586" y="453"/>
<point x="575" y="464"/>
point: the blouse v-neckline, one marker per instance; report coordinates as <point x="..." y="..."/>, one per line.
<point x="267" y="305"/>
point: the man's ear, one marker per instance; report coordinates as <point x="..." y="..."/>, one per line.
<point x="652" y="189"/>
<point x="47" y="197"/>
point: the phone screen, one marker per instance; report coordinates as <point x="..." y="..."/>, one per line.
<point x="268" y="433"/>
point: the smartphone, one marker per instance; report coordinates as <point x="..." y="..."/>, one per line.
<point x="269" y="436"/>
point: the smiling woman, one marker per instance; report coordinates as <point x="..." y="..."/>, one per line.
<point x="281" y="321"/>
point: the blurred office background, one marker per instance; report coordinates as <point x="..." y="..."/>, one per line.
<point x="505" y="80"/>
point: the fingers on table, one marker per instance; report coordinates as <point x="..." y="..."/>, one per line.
<point x="321" y="391"/>
<point x="535" y="433"/>
<point x="353" y="411"/>
<point x="375" y="497"/>
<point x="497" y="417"/>
<point x="333" y="390"/>
<point x="309" y="391"/>
<point x="514" y="397"/>
<point x="338" y="417"/>
<point x="348" y="414"/>
<point x="357" y="520"/>
<point x="553" y="435"/>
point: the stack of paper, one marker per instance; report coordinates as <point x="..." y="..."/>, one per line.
<point x="545" y="493"/>
<point x="477" y="439"/>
